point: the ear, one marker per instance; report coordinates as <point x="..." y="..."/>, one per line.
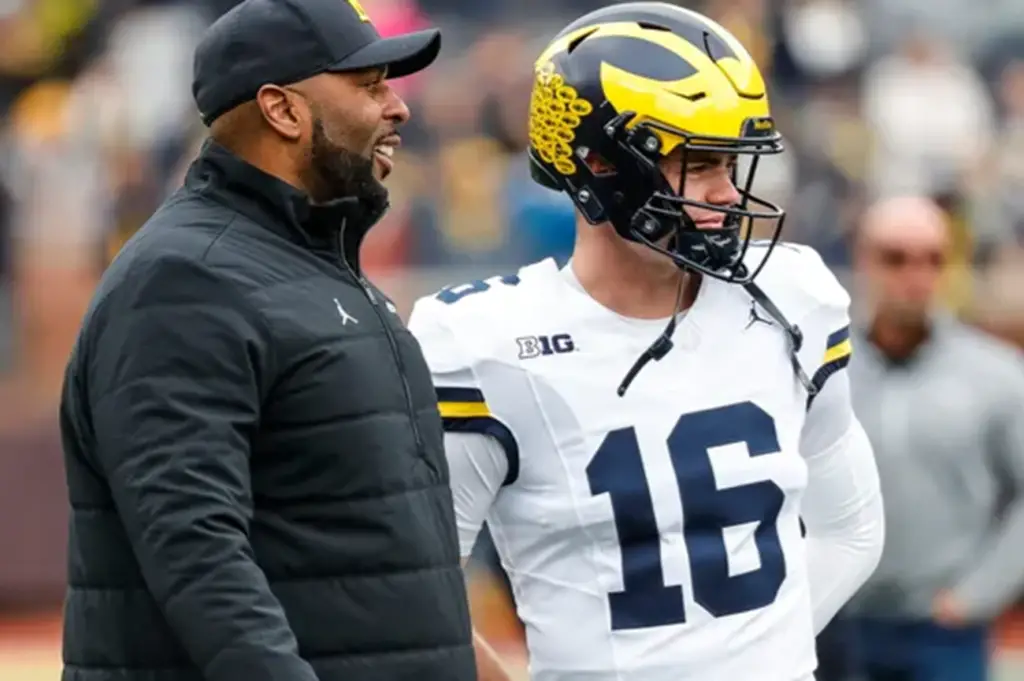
<point x="283" y="111"/>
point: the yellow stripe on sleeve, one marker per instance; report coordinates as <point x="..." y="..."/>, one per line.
<point x="463" y="410"/>
<point x="843" y="349"/>
<point x="461" y="403"/>
<point x="838" y="350"/>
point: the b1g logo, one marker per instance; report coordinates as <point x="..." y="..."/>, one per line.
<point x="536" y="346"/>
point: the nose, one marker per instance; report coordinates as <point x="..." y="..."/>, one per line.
<point x="723" y="191"/>
<point x="396" y="110"/>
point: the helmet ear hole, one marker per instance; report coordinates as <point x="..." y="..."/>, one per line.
<point x="598" y="165"/>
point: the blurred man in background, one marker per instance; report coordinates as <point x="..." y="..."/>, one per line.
<point x="943" y="405"/>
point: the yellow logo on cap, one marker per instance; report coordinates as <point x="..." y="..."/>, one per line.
<point x="360" y="12"/>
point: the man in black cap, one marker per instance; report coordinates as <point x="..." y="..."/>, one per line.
<point x="254" y="455"/>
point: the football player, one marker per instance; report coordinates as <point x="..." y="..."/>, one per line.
<point x="646" y="498"/>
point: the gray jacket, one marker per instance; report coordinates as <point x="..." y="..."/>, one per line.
<point x="947" y="427"/>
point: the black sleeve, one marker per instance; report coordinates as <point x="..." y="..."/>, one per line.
<point x="175" y="378"/>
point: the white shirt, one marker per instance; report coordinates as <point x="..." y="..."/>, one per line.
<point x="657" y="535"/>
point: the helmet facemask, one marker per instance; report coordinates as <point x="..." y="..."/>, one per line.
<point x="648" y="209"/>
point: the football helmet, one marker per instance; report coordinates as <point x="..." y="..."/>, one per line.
<point x="627" y="85"/>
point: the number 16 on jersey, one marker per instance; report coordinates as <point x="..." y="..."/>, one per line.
<point x="617" y="470"/>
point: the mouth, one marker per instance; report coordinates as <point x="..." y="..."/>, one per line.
<point x="384" y="153"/>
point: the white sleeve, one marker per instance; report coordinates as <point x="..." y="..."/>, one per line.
<point x="478" y="467"/>
<point x="842" y="507"/>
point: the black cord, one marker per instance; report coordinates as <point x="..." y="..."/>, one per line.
<point x="661" y="346"/>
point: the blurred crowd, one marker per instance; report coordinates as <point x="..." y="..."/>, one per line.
<point x="875" y="97"/>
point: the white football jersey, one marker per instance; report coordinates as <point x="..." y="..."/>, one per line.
<point x="654" y="536"/>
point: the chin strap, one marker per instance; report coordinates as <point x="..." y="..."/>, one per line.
<point x="660" y="347"/>
<point x="663" y="343"/>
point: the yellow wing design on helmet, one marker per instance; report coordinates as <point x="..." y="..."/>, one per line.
<point x="711" y="91"/>
<point x="556" y="110"/>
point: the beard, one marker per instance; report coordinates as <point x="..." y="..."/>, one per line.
<point x="333" y="172"/>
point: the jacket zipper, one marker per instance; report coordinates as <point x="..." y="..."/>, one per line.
<point x="400" y="365"/>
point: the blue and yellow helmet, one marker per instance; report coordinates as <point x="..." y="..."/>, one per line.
<point x="629" y="84"/>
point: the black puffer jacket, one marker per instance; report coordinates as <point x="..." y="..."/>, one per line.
<point x="254" y="457"/>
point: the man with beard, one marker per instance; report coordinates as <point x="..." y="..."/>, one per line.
<point x="943" y="405"/>
<point x="253" y="450"/>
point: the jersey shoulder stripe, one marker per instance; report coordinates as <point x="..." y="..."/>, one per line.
<point x="461" y="402"/>
<point x="464" y="410"/>
<point x="839" y="346"/>
<point x="837" y="357"/>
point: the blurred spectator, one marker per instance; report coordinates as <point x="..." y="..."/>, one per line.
<point x="825" y="38"/>
<point x="747" y="20"/>
<point x="395" y="17"/>
<point x="944" y="408"/>
<point x="998" y="189"/>
<point x="931" y="117"/>
<point x="828" y="158"/>
<point x="540" y="222"/>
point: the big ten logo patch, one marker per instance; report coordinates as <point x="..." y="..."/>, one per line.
<point x="537" y="346"/>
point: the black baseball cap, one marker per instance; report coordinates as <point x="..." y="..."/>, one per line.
<point x="284" y="41"/>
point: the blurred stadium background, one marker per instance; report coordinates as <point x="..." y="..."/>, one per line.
<point x="875" y="96"/>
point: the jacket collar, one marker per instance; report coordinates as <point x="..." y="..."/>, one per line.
<point x="338" y="226"/>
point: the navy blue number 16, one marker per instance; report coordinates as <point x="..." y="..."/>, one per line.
<point x="616" y="469"/>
